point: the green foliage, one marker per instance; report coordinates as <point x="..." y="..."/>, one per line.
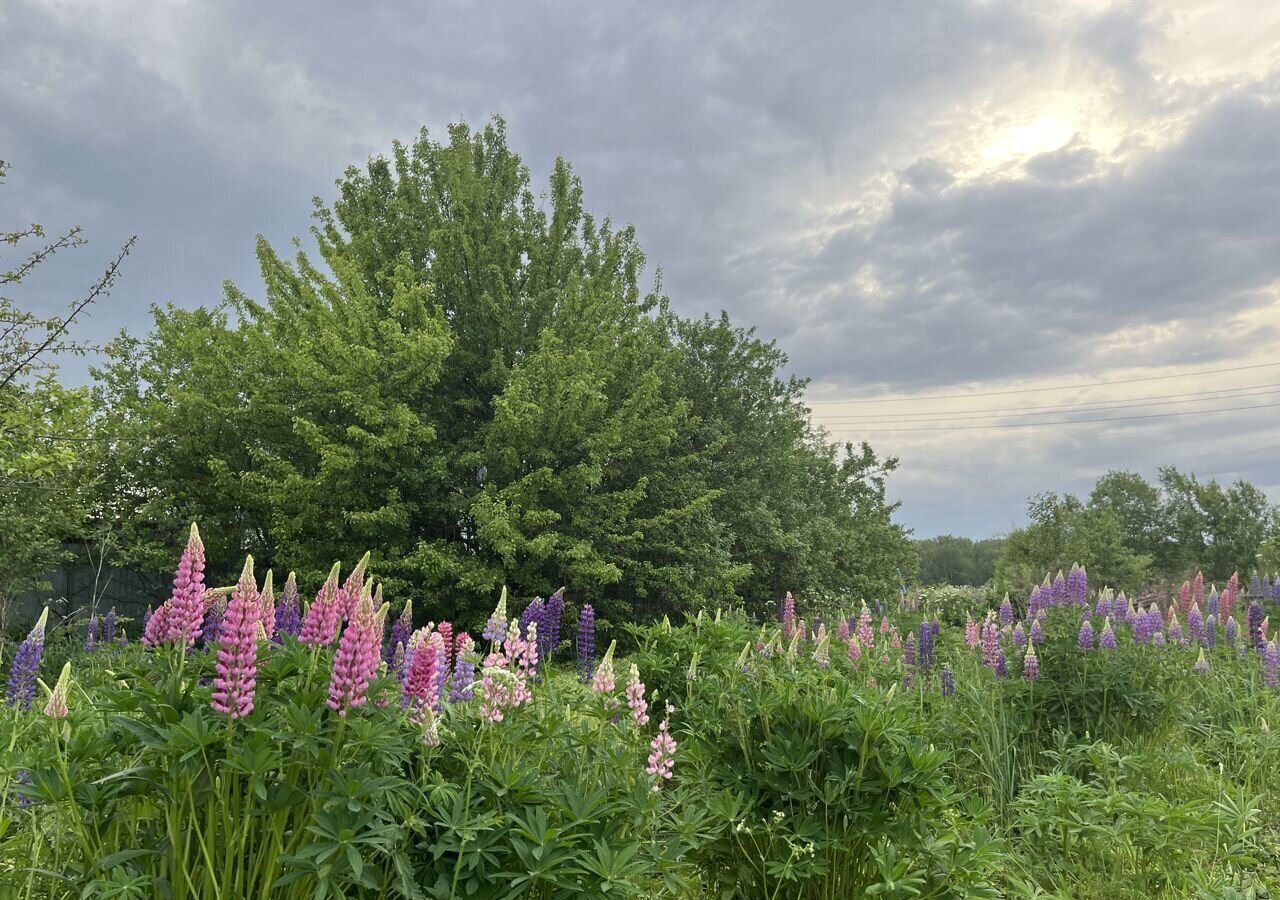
<point x="947" y="559"/>
<point x="473" y="383"/>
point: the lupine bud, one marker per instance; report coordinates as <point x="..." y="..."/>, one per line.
<point x="821" y="653"/>
<point x="1232" y="631"/>
<point x="496" y="628"/>
<point x="237" y="670"/>
<point x="855" y="650"/>
<point x="1031" y="664"/>
<point x="603" y="680"/>
<point x="1201" y="665"/>
<point x="267" y="599"/>
<point x="1197" y="589"/>
<point x="1184" y="597"/>
<point x="1175" y="631"/>
<point x="1211" y="632"/>
<point x="56" y="708"/>
<point x="844" y="630"/>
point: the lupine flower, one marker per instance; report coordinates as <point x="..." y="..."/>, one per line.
<point x="1232" y="631"/>
<point x="355" y="665"/>
<point x="21" y="691"/>
<point x="91" y="635"/>
<point x="586" y="642"/>
<point x="895" y="640"/>
<point x="1019" y="634"/>
<point x="855" y="650"/>
<point x="1077" y="586"/>
<point x="1195" y="623"/>
<point x="635" y="698"/>
<point x="1254" y="623"/>
<point x="1107" y="640"/>
<point x="692" y="674"/>
<point x="237" y="673"/>
<point x="425" y="676"/>
<point x="56" y="708"/>
<point x="464" y="669"/>
<point x="1102" y="608"/>
<point x="926" y="645"/>
<point x="213" y="619"/>
<point x="323" y="616"/>
<point x="1006" y="611"/>
<point x="1037" y="632"/>
<point x="603" y="680"/>
<point x="1037" y="599"/>
<point x="1155" y="623"/>
<point x="267" y="600"/>
<point x="990" y="643"/>
<point x="885" y="626"/>
<point x="844" y="630"/>
<point x="744" y="660"/>
<point x="788" y="616"/>
<point x="497" y="685"/>
<point x="401" y="631"/>
<point x="496" y="628"/>
<point x="1002" y="664"/>
<point x="352" y="590"/>
<point x="1184" y="597"/>
<point x="1175" y="631"/>
<point x="1031" y="664"/>
<point x="289" y="609"/>
<point x="948" y="680"/>
<point x="802" y="631"/>
<point x="1232" y="593"/>
<point x="866" y="635"/>
<point x="821" y="651"/>
<point x="1059" y="596"/>
<point x="1271" y="665"/>
<point x="1197" y="589"/>
<point x="662" y="759"/>
<point x="109" y="626"/>
<point x="532" y="613"/>
<point x="554" y="617"/>
<point x="146" y="620"/>
<point x="1085" y="639"/>
<point x="1211" y="632"/>
<point x="1214" y="605"/>
<point x="970" y="631"/>
<point x="185" y="617"/>
<point x="1201" y="665"/>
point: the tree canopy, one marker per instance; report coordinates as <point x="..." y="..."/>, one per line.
<point x="471" y="382"/>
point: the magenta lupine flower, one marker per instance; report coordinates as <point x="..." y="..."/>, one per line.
<point x="990" y="643"/>
<point x="425" y="675"/>
<point x="323" y="616"/>
<point x="1037" y="632"/>
<point x="1232" y="592"/>
<point x="237" y="674"/>
<point x="970" y="630"/>
<point x="185" y="617"/>
<point x="1006" y="611"/>
<point x="289" y="609"/>
<point x="1195" y="623"/>
<point x="351" y="592"/>
<point x="155" y="625"/>
<point x="267" y="600"/>
<point x="885" y="626"/>
<point x="1085" y="639"/>
<point x="1197" y="589"/>
<point x="1019" y="634"/>
<point x="662" y="759"/>
<point x="1201" y="666"/>
<point x="1107" y="641"/>
<point x="21" y="690"/>
<point x="635" y="698"/>
<point x="788" y="616"/>
<point x="855" y="650"/>
<point x="1271" y="665"/>
<point x="446" y="634"/>
<point x="1232" y="630"/>
<point x="355" y="665"/>
<point x="1031" y="664"/>
<point x="866" y="634"/>
<point x="843" y="630"/>
<point x="895" y="640"/>
<point x="1184" y="597"/>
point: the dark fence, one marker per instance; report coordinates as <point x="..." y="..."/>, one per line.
<point x="80" y="590"/>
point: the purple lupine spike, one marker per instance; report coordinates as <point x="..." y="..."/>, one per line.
<point x="461" y="687"/>
<point x="1254" y="624"/>
<point x="1107" y="640"/>
<point x="1175" y="631"/>
<point x="948" y="681"/>
<point x="495" y="630"/>
<point x="554" y="617"/>
<point x="1211" y="632"/>
<point x="1020" y="634"/>
<point x="1213" y="606"/>
<point x="1035" y="601"/>
<point x="109" y="626"/>
<point x="21" y="691"/>
<point x="788" y="616"/>
<point x="1059" y="596"/>
<point x="926" y="645"/>
<point x="1031" y="664"/>
<point x="1195" y="624"/>
<point x="1006" y="611"/>
<point x="1232" y="631"/>
<point x="91" y="635"/>
<point x="1002" y="665"/>
<point x="909" y="651"/>
<point x="401" y="629"/>
<point x="1201" y="666"/>
<point x="1037" y="632"/>
<point x="213" y="620"/>
<point x="289" y="609"/>
<point x="1085" y="639"/>
<point x="1155" y="623"/>
<point x="1077" y="586"/>
<point x="587" y="642"/>
<point x="1271" y="665"/>
<point x="990" y="643"/>
<point x="1102" y="608"/>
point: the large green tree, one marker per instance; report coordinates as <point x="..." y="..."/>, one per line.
<point x="471" y="383"/>
<point x="948" y="559"/>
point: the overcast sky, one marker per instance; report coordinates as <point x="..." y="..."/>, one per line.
<point x="915" y="198"/>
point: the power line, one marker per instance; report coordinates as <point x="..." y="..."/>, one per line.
<point x="1053" y="410"/>
<point x="1196" y="412"/>
<point x="1064" y="387"/>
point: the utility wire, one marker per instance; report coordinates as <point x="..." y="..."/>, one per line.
<point x="1196" y="412"/>
<point x="1064" y="387"/>
<point x="1051" y="410"/>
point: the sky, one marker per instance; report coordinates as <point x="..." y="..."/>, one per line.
<point x="948" y="214"/>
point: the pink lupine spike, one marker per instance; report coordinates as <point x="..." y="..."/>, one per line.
<point x="349" y="595"/>
<point x="237" y="674"/>
<point x="356" y="663"/>
<point x="320" y="624"/>
<point x="185" y="618"/>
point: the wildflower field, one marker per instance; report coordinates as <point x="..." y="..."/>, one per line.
<point x="242" y="742"/>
